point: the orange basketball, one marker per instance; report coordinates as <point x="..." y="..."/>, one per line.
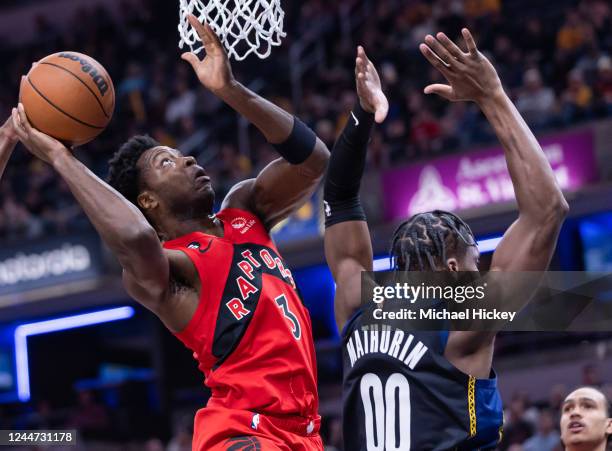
<point x="69" y="96"/>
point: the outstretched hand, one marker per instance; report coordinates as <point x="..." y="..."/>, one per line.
<point x="214" y="71"/>
<point x="369" y="88"/>
<point x="471" y="75"/>
<point x="40" y="145"/>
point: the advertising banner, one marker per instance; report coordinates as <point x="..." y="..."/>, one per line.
<point x="477" y="179"/>
<point x="45" y="263"/>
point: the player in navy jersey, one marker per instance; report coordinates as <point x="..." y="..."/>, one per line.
<point x="429" y="390"/>
<point x="216" y="281"/>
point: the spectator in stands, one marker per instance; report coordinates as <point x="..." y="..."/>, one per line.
<point x="89" y="417"/>
<point x="576" y="99"/>
<point x="156" y="95"/>
<point x="153" y="444"/>
<point x="426" y="132"/>
<point x="517" y="429"/>
<point x="536" y="101"/>
<point x="591" y="376"/>
<point x="572" y="34"/>
<point x="546" y="437"/>
<point x="603" y="85"/>
<point x="183" y="434"/>
<point x="182" y="104"/>
<point x="586" y="421"/>
<point x="481" y="8"/>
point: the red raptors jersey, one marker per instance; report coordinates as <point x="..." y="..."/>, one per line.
<point x="251" y="332"/>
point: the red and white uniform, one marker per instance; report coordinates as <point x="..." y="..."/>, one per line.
<point x="253" y="339"/>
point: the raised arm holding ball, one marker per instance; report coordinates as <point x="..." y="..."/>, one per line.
<point x="216" y="281"/>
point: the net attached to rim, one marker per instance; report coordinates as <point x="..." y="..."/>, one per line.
<point x="243" y="26"/>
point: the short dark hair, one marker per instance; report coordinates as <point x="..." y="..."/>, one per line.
<point x="607" y="401"/>
<point x="426" y="239"/>
<point x="123" y="172"/>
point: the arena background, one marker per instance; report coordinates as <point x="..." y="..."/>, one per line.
<point x="76" y="352"/>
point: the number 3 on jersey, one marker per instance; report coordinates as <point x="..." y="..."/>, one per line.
<point x="382" y="406"/>
<point x="282" y="303"/>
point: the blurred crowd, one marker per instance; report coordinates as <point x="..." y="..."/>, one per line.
<point x="534" y="425"/>
<point x="529" y="424"/>
<point x="554" y="58"/>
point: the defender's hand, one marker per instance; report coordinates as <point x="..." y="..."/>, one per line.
<point x="40" y="145"/>
<point x="471" y="75"/>
<point x="8" y="131"/>
<point x="369" y="88"/>
<point x="214" y="71"/>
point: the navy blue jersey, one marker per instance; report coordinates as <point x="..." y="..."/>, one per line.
<point x="400" y="393"/>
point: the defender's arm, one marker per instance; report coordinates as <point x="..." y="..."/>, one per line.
<point x="8" y="140"/>
<point x="529" y="243"/>
<point x="286" y="183"/>
<point x="348" y="247"/>
<point x="120" y="224"/>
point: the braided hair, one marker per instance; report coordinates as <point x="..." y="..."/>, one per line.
<point x="423" y="242"/>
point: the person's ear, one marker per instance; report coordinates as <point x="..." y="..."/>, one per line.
<point x="452" y="264"/>
<point x="147" y="201"/>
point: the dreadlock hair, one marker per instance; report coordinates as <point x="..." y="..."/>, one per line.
<point x="123" y="173"/>
<point x="423" y="242"/>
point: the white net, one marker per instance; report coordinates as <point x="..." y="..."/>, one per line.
<point x="243" y="26"/>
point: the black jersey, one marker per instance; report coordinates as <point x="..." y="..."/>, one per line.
<point x="401" y="394"/>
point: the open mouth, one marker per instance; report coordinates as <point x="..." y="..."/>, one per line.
<point x="201" y="178"/>
<point x="575" y="426"/>
<point x="202" y="182"/>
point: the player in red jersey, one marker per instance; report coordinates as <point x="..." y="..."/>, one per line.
<point x="216" y="281"/>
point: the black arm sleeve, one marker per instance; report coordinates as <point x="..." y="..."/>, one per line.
<point x="299" y="145"/>
<point x="346" y="166"/>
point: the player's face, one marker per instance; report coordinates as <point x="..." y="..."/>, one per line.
<point x="584" y="419"/>
<point x="176" y="181"/>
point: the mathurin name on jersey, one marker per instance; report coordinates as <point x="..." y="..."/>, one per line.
<point x="397" y="344"/>
<point x="443" y="314"/>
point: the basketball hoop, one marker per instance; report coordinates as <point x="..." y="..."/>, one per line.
<point x="243" y="26"/>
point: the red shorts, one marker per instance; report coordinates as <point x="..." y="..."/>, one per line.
<point x="218" y="429"/>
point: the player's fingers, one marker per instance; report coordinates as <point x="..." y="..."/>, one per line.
<point x="469" y="41"/>
<point x="19" y="130"/>
<point x="197" y="25"/>
<point x="439" y="49"/>
<point x="362" y="54"/>
<point x="23" y="118"/>
<point x="191" y="58"/>
<point x="211" y="36"/>
<point x="445" y="91"/>
<point x="449" y="45"/>
<point x="361" y="64"/>
<point x="434" y="60"/>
